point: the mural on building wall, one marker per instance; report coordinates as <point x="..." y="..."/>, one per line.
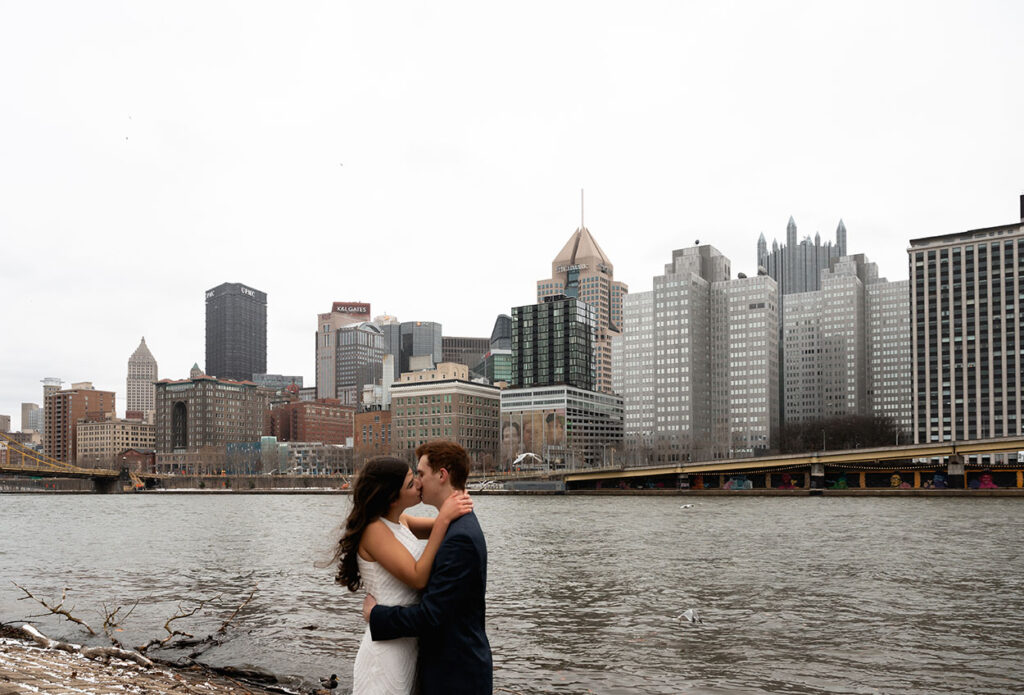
<point x="540" y="432"/>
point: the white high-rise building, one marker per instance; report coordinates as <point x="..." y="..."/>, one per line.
<point x="31" y="418"/>
<point x="141" y="382"/>
<point x="751" y="385"/>
<point x="825" y="344"/>
<point x="699" y="362"/>
<point x="633" y="366"/>
<point x="890" y="377"/>
<point x="846" y="346"/>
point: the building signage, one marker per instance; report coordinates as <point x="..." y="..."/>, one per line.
<point x="209" y="295"/>
<point x="567" y="268"/>
<point x="246" y="291"/>
<point x="352" y="308"/>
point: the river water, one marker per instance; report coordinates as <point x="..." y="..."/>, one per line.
<point x="798" y="595"/>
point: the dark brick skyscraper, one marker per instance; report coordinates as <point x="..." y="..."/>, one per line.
<point x="236" y="331"/>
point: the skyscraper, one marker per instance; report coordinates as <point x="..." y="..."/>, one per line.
<point x="796" y="267"/>
<point x="581" y="269"/>
<point x="633" y="356"/>
<point x="341" y="314"/>
<point x="501" y="334"/>
<point x="142" y="377"/>
<point x="359" y="360"/>
<point x="51" y="385"/>
<point x="890" y="362"/>
<point x="497" y="363"/>
<point x="411" y="339"/>
<point x="31" y="418"/>
<point x="464" y="350"/>
<point x="236" y="331"/>
<point x="552" y="343"/>
<point x="699" y="367"/>
<point x="552" y="409"/>
<point x="966" y="290"/>
<point x="825" y="344"/>
<point x="847" y="346"/>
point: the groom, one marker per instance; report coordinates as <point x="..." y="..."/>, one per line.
<point x="455" y="656"/>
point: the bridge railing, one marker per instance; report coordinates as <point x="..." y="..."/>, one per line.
<point x="22" y="458"/>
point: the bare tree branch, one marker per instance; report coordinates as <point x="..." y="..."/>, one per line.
<point x="171" y="634"/>
<point x="111" y="623"/>
<point x="244" y="603"/>
<point x="55" y="610"/>
<point x="210" y="641"/>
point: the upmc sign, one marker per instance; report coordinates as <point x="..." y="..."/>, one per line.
<point x="351" y="308"/>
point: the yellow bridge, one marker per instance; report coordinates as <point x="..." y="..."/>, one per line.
<point x="21" y="460"/>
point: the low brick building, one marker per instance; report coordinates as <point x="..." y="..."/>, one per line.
<point x="372" y="435"/>
<point x="324" y="420"/>
<point x="139" y="460"/>
<point x="101" y="442"/>
<point x="442" y="404"/>
<point x="63" y="411"/>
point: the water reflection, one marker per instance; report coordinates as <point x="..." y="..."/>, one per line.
<point x="798" y="595"/>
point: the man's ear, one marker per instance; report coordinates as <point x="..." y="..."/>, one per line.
<point x="443" y="472"/>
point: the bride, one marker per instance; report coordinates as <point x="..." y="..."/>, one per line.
<point x="383" y="550"/>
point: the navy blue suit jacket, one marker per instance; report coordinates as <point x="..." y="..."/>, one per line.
<point x="455" y="656"/>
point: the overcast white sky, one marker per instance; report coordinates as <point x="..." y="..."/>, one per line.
<point x="427" y="157"/>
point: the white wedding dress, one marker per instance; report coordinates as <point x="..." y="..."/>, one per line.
<point x="388" y="667"/>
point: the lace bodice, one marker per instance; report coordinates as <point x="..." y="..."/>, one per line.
<point x="377" y="581"/>
<point x="387" y="667"/>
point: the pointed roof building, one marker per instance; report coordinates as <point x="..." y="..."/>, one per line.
<point x="583" y="270"/>
<point x="142" y="351"/>
<point x="797" y="265"/>
<point x="581" y="247"/>
<point x="142" y="375"/>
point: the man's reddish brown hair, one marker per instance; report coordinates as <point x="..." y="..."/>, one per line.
<point x="440" y="454"/>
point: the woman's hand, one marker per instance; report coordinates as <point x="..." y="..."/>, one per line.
<point x="457" y="504"/>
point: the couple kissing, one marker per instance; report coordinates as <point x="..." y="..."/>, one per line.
<point x="424" y="578"/>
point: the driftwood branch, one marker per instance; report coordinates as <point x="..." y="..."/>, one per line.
<point x="113" y="619"/>
<point x="95" y="653"/>
<point x="55" y="610"/>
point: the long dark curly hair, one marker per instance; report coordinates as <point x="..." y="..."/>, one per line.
<point x="376" y="489"/>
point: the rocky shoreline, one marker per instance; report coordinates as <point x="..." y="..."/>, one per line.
<point x="28" y="668"/>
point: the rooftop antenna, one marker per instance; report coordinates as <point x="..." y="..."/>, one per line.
<point x="581" y="208"/>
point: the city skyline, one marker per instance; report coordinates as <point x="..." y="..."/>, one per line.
<point x="363" y="157"/>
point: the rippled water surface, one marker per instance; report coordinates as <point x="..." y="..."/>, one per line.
<point x="798" y="595"/>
